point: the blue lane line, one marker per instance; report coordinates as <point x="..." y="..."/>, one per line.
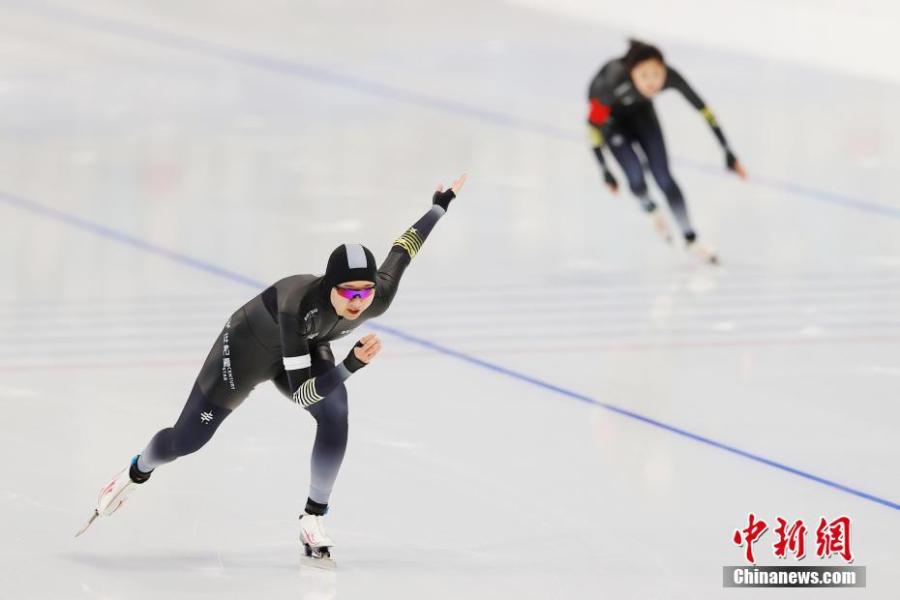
<point x="124" y="238"/>
<point x="884" y="210"/>
<point x="323" y="76"/>
<point x="624" y="412"/>
<point x="290" y="68"/>
<point x="207" y="267"/>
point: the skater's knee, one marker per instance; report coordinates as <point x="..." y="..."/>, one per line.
<point x="164" y="442"/>
<point x="191" y="435"/>
<point x="189" y="441"/>
<point x="638" y="187"/>
<point x="337" y="408"/>
<point x="666" y="182"/>
<point x="672" y="193"/>
<point x="333" y="408"/>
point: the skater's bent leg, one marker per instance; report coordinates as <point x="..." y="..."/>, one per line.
<point x="198" y="422"/>
<point x="236" y="363"/>
<point x="679" y="211"/>
<point x="654" y="146"/>
<point x="674" y="197"/>
<point x="634" y="170"/>
<point x="331" y="431"/>
<point x="330" y="445"/>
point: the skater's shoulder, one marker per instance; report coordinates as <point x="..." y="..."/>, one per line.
<point x="613" y="69"/>
<point x="302" y="278"/>
<point x="294" y="283"/>
<point x="288" y="293"/>
<point x="608" y="77"/>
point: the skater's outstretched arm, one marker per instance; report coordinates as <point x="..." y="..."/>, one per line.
<point x="675" y="80"/>
<point x="408" y="245"/>
<point x="317" y="388"/>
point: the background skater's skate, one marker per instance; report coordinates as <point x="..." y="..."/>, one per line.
<point x="704" y="253"/>
<point x="660" y="226"/>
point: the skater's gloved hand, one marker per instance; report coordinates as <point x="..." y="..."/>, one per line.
<point x="610" y="181"/>
<point x="732" y="163"/>
<point x="442" y="198"/>
<point x="363" y="352"/>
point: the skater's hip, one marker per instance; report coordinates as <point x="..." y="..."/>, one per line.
<point x="236" y="363"/>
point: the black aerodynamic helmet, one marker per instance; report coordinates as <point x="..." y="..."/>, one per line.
<point x="350" y="262"/>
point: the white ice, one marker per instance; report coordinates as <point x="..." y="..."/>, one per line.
<point x="145" y="145"/>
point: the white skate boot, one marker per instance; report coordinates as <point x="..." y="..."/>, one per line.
<point x="705" y="253"/>
<point x="113" y="494"/>
<point x="316" y="543"/>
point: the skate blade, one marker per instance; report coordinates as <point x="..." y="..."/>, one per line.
<point x="665" y="235"/>
<point x="326" y="564"/>
<point x="662" y="230"/>
<point x="706" y="259"/>
<point x="91" y="520"/>
<point x="317" y="560"/>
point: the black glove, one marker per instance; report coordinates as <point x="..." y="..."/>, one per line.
<point x="730" y="159"/>
<point x="443" y="199"/>
<point x="610" y="180"/>
<point x="352" y="363"/>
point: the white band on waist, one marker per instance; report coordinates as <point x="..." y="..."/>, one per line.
<point x="292" y="363"/>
